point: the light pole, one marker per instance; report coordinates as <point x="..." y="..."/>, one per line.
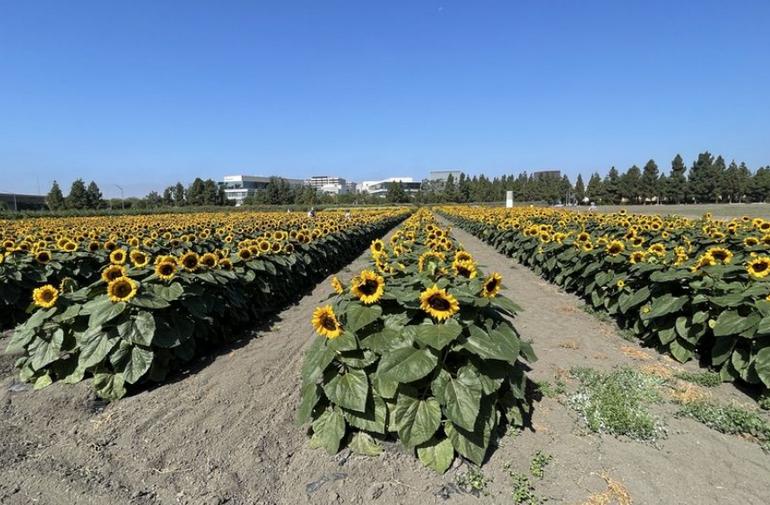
<point x="122" y="200"/>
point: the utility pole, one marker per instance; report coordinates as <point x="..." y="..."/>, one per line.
<point x="122" y="200"/>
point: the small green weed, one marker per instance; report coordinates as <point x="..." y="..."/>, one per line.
<point x="472" y="481"/>
<point x="538" y="464"/>
<point x="616" y="402"/>
<point x="549" y="390"/>
<point x="523" y="492"/>
<point x="764" y="401"/>
<point x="706" y="379"/>
<point x="731" y="419"/>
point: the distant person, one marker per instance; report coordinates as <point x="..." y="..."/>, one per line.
<point x="311" y="212"/>
<point x="347" y="214"/>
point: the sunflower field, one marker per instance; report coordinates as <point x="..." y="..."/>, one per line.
<point x="419" y="347"/>
<point x="128" y="299"/>
<point x="694" y="288"/>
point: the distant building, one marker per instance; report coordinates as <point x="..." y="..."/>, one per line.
<point x="443" y="175"/>
<point x="546" y="173"/>
<point x="328" y="184"/>
<point x="380" y="188"/>
<point x="13" y="201"/>
<point x="239" y="187"/>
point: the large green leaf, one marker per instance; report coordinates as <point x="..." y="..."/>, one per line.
<point x="106" y="312"/>
<point x="139" y="329"/>
<point x="438" y="335"/>
<point x="463" y="397"/>
<point x="45" y="350"/>
<point x="359" y="316"/>
<point x="492" y="345"/>
<point x="406" y="364"/>
<point x="345" y="342"/>
<point x="436" y="454"/>
<point x="109" y="386"/>
<point x="317" y="358"/>
<point x="309" y="397"/>
<point x="95" y="346"/>
<point x="372" y="419"/>
<point x="636" y="298"/>
<point x="328" y="431"/>
<point x="363" y="444"/>
<point x="730" y="322"/>
<point x="762" y="365"/>
<point x="664" y="305"/>
<point x="416" y="419"/>
<point x="139" y="361"/>
<point x="348" y="389"/>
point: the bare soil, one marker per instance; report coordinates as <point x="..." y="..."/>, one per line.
<point x="225" y="431"/>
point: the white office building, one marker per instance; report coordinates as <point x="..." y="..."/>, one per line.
<point x="380" y="188"/>
<point x="239" y="187"/>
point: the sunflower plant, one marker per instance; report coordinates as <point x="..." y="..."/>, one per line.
<point x="416" y="350"/>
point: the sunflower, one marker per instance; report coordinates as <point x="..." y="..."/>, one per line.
<point x="337" y="285"/>
<point x="429" y="257"/>
<point x="615" y="247"/>
<point x="122" y="289"/>
<point x="587" y="247"/>
<point x="118" y="257"/>
<point x="637" y="257"/>
<point x="325" y="322"/>
<point x="438" y="303"/>
<point x="139" y="259"/>
<point x="43" y="257"/>
<point x="377" y="247"/>
<point x="704" y="260"/>
<point x="465" y="269"/>
<point x="720" y="254"/>
<point x="189" y="261"/>
<point x="620" y="284"/>
<point x="45" y="296"/>
<point x="112" y="272"/>
<point x="750" y="241"/>
<point x="209" y="260"/>
<point x="368" y="286"/>
<point x="759" y="267"/>
<point x="657" y="250"/>
<point x="492" y="285"/>
<point x="165" y="270"/>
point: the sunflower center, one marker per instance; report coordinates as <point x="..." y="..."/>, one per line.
<point x="47" y="295"/>
<point x="438" y="302"/>
<point x="122" y="289"/>
<point x="491" y="285"/>
<point x="761" y="266"/>
<point x="166" y="269"/>
<point x="190" y="262"/>
<point x="369" y="287"/>
<point x="328" y="323"/>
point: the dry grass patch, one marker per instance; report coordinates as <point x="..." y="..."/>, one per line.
<point x="615" y="494"/>
<point x="635" y="353"/>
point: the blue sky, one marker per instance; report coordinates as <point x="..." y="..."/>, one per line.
<point x="145" y="93"/>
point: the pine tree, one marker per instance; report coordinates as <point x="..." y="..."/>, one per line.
<point x="78" y="197"/>
<point x="210" y="192"/>
<point x="450" y="191"/>
<point x="629" y="184"/>
<point x="595" y="190"/>
<point x="650" y="190"/>
<point x="168" y="196"/>
<point x="580" y="189"/>
<point x="463" y="188"/>
<point x="195" y="193"/>
<point x="700" y="179"/>
<point x="94" y="196"/>
<point x="55" y="199"/>
<point x="612" y="186"/>
<point x="676" y="189"/>
<point x="179" y="199"/>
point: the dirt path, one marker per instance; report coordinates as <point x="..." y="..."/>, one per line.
<point x="226" y="433"/>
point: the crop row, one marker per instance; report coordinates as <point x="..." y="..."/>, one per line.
<point x="418" y="347"/>
<point x="129" y="299"/>
<point x="694" y="288"/>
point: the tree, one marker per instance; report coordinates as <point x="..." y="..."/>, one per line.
<point x="396" y="193"/>
<point x="676" y="188"/>
<point x="450" y="191"/>
<point x="153" y="200"/>
<point x="704" y="178"/>
<point x="595" y="189"/>
<point x="195" y="192"/>
<point x="650" y="188"/>
<point x="580" y="189"/>
<point x="210" y="193"/>
<point x="78" y="197"/>
<point x="179" y="199"/>
<point x="94" y="196"/>
<point x="168" y="196"/>
<point x="759" y="189"/>
<point x="629" y="184"/>
<point x="463" y="189"/>
<point x="612" y="186"/>
<point x="55" y="199"/>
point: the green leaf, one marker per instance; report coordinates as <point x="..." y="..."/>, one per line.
<point x="463" y="398"/>
<point x="363" y="444"/>
<point x="681" y="350"/>
<point x="384" y="341"/>
<point x="348" y="390"/>
<point x="386" y="388"/>
<point x="416" y="420"/>
<point x="762" y="365"/>
<point x="345" y="342"/>
<point x="730" y="322"/>
<point x="42" y="382"/>
<point x="106" y="312"/>
<point x="663" y="305"/>
<point x="309" y="397"/>
<point x="764" y="326"/>
<point x="492" y="345"/>
<point x="139" y="329"/>
<point x="139" y="361"/>
<point x="406" y="364"/>
<point x="437" y="455"/>
<point x="505" y="304"/>
<point x="95" y="346"/>
<point x="317" y="358"/>
<point x="359" y="316"/>
<point x="46" y="350"/>
<point x="636" y="298"/>
<point x="372" y="419"/>
<point x="438" y="335"/>
<point x="109" y="386"/>
<point x="328" y="431"/>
